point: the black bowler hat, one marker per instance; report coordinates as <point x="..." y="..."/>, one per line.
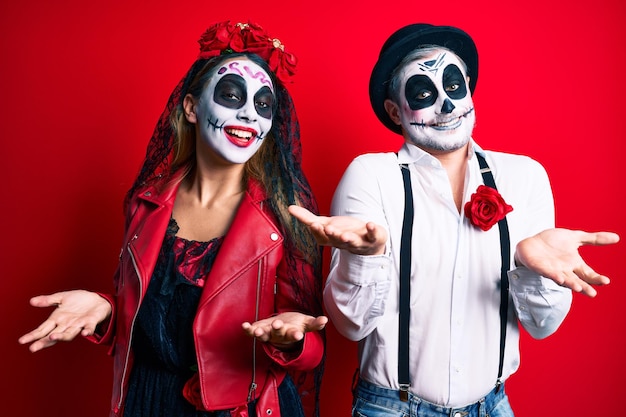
<point x="405" y="40"/>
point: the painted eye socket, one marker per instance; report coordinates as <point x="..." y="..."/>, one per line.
<point x="230" y="92"/>
<point x="454" y="82"/>
<point x="264" y="102"/>
<point x="420" y="92"/>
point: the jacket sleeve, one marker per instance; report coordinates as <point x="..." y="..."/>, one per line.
<point x="306" y="357"/>
<point x="105" y="331"/>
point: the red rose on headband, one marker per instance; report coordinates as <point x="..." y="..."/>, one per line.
<point x="254" y="39"/>
<point x="227" y="37"/>
<point x="216" y="39"/>
<point x="284" y="62"/>
<point x="191" y="392"/>
<point x="486" y="208"/>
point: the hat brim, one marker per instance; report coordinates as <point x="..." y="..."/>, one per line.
<point x="408" y="39"/>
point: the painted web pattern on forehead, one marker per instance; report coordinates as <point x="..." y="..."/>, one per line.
<point x="432" y="65"/>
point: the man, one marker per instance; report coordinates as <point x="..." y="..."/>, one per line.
<point x="420" y="237"/>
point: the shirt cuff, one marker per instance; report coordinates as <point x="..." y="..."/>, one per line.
<point x="537" y="298"/>
<point x="364" y="270"/>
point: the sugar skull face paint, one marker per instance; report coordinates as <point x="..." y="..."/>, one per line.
<point x="435" y="106"/>
<point x="235" y="111"/>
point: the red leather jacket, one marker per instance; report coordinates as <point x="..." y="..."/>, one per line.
<point x="247" y="282"/>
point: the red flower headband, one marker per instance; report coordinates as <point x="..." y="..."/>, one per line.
<point x="227" y="37"/>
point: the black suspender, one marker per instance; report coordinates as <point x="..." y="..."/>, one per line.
<point x="505" y="253"/>
<point x="405" y="293"/>
<point x="405" y="274"/>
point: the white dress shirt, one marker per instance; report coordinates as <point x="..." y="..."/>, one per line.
<point x="455" y="274"/>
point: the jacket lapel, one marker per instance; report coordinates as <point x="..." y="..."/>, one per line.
<point x="147" y="228"/>
<point x="251" y="236"/>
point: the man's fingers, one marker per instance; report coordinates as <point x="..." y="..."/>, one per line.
<point x="302" y="214"/>
<point x="586" y="289"/>
<point x="573" y="281"/>
<point x="599" y="238"/>
<point x="319" y="233"/>
<point x="582" y="279"/>
<point x="587" y="274"/>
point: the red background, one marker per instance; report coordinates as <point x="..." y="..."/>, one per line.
<point x="83" y="84"/>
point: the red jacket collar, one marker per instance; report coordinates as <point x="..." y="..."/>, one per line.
<point x="162" y="193"/>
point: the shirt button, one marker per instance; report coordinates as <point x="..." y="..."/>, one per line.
<point x="274" y="237"/>
<point x="515" y="276"/>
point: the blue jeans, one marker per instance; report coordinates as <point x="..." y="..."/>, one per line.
<point x="373" y="401"/>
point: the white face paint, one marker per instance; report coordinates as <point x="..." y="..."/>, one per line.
<point x="436" y="108"/>
<point x="235" y="111"/>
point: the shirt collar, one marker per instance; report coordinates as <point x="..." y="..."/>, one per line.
<point x="411" y="154"/>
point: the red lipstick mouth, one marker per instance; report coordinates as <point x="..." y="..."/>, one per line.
<point x="240" y="136"/>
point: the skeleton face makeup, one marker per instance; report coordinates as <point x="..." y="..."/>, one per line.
<point x="234" y="112"/>
<point x="435" y="104"/>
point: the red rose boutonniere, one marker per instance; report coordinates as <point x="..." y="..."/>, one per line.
<point x="486" y="208"/>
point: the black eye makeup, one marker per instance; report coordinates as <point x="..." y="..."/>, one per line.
<point x="264" y="102"/>
<point x="454" y="82"/>
<point x="230" y="91"/>
<point x="420" y="92"/>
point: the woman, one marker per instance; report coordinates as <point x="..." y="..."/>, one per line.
<point x="217" y="301"/>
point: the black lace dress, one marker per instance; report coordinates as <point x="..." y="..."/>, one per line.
<point x="163" y="345"/>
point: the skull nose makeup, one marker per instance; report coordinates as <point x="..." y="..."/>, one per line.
<point x="447" y="107"/>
